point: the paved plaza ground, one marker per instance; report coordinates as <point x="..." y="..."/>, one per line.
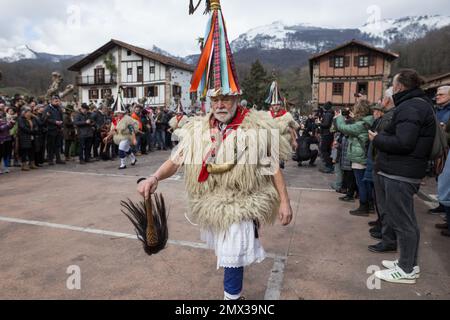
<point x="54" y="218"/>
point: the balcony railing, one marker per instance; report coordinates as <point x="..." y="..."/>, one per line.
<point x="93" y="80"/>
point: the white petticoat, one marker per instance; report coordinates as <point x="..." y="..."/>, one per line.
<point x="236" y="247"/>
<point x="125" y="145"/>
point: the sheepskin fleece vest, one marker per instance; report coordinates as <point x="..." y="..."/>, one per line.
<point x="284" y="123"/>
<point x="174" y="125"/>
<point x="123" y="130"/>
<point x="242" y="194"/>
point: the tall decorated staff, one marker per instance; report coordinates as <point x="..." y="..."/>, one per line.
<point x="230" y="191"/>
<point x="284" y="119"/>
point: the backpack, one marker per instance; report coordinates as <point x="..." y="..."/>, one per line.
<point x="439" y="151"/>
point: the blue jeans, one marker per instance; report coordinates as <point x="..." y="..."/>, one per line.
<point x="161" y="138"/>
<point x="233" y="280"/>
<point x="364" y="188"/>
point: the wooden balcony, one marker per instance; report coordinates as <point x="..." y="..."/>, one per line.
<point x="93" y="80"/>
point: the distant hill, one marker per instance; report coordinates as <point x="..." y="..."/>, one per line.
<point x="35" y="74"/>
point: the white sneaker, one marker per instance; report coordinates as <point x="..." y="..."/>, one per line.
<point x="396" y="275"/>
<point x="393" y="264"/>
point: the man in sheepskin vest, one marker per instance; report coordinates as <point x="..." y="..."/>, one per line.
<point x="123" y="132"/>
<point x="177" y="123"/>
<point x="284" y="119"/>
<point x="231" y="165"/>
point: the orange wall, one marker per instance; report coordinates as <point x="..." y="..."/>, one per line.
<point x="351" y="70"/>
<point x="375" y="92"/>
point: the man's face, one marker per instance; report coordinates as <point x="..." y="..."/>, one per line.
<point x="40" y="110"/>
<point x="397" y="86"/>
<point x="276" y="107"/>
<point x="377" y="114"/>
<point x="84" y="111"/>
<point x="224" y="108"/>
<point x="56" y="102"/>
<point x="442" y="97"/>
<point x="137" y="111"/>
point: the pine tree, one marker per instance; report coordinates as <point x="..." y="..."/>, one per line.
<point x="255" y="85"/>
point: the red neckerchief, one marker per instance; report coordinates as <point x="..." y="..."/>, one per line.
<point x="241" y="113"/>
<point x="278" y="114"/>
<point x="179" y="119"/>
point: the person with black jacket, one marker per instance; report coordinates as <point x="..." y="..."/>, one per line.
<point x="39" y="154"/>
<point x="28" y="129"/>
<point x="327" y="138"/>
<point x="304" y="152"/>
<point x="54" y="121"/>
<point x="100" y="119"/>
<point x="85" y="128"/>
<point x="404" y="148"/>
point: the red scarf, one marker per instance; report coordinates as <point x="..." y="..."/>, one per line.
<point x="179" y="119"/>
<point x="278" y="114"/>
<point x="241" y="113"/>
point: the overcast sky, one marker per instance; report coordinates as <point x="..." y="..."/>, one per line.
<point x="75" y="27"/>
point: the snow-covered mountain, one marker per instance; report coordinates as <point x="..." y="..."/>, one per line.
<point x="404" y="29"/>
<point x="313" y="39"/>
<point x="23" y="52"/>
<point x="16" y="54"/>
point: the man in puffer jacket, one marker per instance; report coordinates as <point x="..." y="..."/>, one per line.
<point x="404" y="148"/>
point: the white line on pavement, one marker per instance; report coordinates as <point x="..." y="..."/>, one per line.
<point x="273" y="291"/>
<point x="174" y="178"/>
<point x="180" y="243"/>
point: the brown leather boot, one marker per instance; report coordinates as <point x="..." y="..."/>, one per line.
<point x="25" y="167"/>
<point x="33" y="166"/>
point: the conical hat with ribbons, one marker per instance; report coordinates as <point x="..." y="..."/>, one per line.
<point x="215" y="74"/>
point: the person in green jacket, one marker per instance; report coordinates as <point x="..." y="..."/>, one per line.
<point x="358" y="133"/>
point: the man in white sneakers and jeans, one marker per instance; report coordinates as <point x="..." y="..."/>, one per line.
<point x="404" y="148"/>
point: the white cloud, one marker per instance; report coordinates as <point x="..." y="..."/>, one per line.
<point x="51" y="26"/>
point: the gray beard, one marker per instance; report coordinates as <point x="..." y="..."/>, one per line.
<point x="226" y="118"/>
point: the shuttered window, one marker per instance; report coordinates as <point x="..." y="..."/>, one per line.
<point x="151" y="91"/>
<point x="93" y="94"/>
<point x="338" y="89"/>
<point x="130" y="92"/>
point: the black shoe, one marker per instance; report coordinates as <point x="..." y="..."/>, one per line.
<point x="381" y="248"/>
<point x="134" y="163"/>
<point x="312" y="165"/>
<point x="375" y="229"/>
<point x="347" y="198"/>
<point x="362" y="211"/>
<point x="82" y="162"/>
<point x="300" y="164"/>
<point x="442" y="226"/>
<point x="374" y="223"/>
<point x="51" y="163"/>
<point x="122" y="168"/>
<point x="60" y="162"/>
<point x="282" y="164"/>
<point x="437" y="210"/>
<point x="376" y="235"/>
<point x="327" y="170"/>
<point x="445" y="233"/>
<point x="342" y="191"/>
